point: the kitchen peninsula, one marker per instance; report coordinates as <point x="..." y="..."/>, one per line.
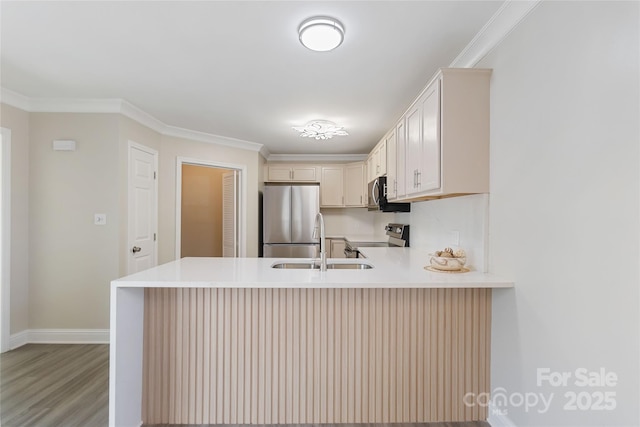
<point x="235" y="341"/>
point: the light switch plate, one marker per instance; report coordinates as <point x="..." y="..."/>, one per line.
<point x="100" y="219"/>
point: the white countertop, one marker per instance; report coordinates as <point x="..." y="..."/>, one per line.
<point x="393" y="268"/>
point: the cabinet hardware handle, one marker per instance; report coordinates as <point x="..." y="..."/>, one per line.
<point x="419" y="176"/>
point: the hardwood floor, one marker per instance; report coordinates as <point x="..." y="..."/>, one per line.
<point x="55" y="385"/>
<point x="47" y="385"/>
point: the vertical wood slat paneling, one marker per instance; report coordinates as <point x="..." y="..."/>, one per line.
<point x="310" y="356"/>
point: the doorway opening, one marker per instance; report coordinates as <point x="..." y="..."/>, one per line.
<point x="209" y="209"/>
<point x="5" y="238"/>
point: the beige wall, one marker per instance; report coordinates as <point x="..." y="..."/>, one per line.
<point x="72" y="261"/>
<point x="172" y="148"/>
<point x="201" y="217"/>
<point x="62" y="263"/>
<point x="18" y="122"/>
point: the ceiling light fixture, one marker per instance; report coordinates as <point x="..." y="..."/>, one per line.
<point x="321" y="33"/>
<point x="320" y="129"/>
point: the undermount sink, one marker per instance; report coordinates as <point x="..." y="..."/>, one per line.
<point x="306" y="265"/>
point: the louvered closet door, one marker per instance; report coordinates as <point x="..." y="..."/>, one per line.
<point x="229" y="214"/>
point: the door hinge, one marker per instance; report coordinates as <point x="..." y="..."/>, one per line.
<point x="154" y="174"/>
<point x="154" y="237"/>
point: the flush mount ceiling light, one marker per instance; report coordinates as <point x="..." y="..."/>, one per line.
<point x="321" y="33"/>
<point x="320" y="129"/>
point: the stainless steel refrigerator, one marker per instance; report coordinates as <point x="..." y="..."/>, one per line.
<point x="288" y="215"/>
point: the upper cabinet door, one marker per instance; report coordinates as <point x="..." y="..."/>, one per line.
<point x="382" y="158"/>
<point x="392" y="178"/>
<point x="278" y="173"/>
<point x="304" y="173"/>
<point x="401" y="189"/>
<point x="353" y="185"/>
<point x="429" y="173"/>
<point x="413" y="152"/>
<point x="291" y="173"/>
<point x="332" y="187"/>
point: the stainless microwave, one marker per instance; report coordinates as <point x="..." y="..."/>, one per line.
<point x="377" y="198"/>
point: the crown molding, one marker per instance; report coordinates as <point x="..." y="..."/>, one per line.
<point x="119" y="106"/>
<point x="316" y="157"/>
<point x="54" y="105"/>
<point x="264" y="152"/>
<point x="211" y="138"/>
<point x="14" y="99"/>
<point x="136" y="114"/>
<point x="506" y="18"/>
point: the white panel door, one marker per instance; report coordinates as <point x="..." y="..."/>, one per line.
<point x="229" y="215"/>
<point x="142" y="208"/>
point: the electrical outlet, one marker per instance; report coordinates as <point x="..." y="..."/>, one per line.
<point x="100" y="219"/>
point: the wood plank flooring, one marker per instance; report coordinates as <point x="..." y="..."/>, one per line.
<point x="54" y="385"/>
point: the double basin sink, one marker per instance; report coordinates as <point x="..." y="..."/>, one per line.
<point x="310" y="264"/>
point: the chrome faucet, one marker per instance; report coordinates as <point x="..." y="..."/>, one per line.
<point x="319" y="224"/>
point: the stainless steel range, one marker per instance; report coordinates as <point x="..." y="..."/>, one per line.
<point x="398" y="237"/>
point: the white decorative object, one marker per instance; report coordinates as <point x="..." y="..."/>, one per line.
<point x="320" y="129"/>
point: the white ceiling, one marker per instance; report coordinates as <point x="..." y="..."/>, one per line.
<point x="236" y="68"/>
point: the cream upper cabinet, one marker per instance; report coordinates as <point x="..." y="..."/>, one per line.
<point x="377" y="161"/>
<point x="291" y="173"/>
<point x="447" y="136"/>
<point x="381" y="157"/>
<point x="400" y="157"/>
<point x="423" y="142"/>
<point x="371" y="168"/>
<point x="354" y="185"/>
<point x="392" y="178"/>
<point x="332" y="186"/>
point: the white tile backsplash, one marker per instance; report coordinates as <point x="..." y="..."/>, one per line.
<point x="359" y="221"/>
<point x="434" y="224"/>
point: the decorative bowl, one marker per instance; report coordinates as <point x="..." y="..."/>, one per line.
<point x="447" y="263"/>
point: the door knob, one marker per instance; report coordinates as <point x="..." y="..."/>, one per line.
<point x="136" y="249"/>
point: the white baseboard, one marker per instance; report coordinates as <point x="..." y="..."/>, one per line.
<point x="499" y="419"/>
<point x="19" y="339"/>
<point x="59" y="336"/>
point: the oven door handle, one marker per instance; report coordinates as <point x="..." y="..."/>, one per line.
<point x="350" y="253"/>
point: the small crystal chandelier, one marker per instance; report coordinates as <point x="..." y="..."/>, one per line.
<point x="320" y="129"/>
